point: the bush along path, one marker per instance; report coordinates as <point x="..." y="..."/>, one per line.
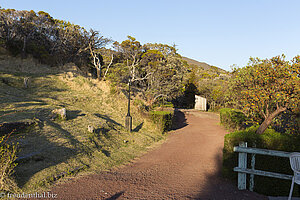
<point x="187" y="166"/>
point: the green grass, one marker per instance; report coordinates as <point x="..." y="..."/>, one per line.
<point x="61" y="146"/>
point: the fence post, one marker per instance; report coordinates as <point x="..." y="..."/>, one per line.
<point x="251" y="187"/>
<point x="243" y="165"/>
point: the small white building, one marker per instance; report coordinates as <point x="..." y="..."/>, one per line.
<point x="200" y="103"/>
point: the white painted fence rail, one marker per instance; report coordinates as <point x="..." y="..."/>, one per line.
<point x="242" y="169"/>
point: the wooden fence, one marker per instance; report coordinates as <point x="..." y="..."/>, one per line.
<point x="242" y="169"/>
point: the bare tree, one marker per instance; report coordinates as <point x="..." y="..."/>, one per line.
<point x="111" y="61"/>
<point x="96" y="61"/>
<point x="95" y="43"/>
<point x="132" y="51"/>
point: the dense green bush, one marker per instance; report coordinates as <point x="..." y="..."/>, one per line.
<point x="163" y="119"/>
<point x="232" y="119"/>
<point x="269" y="140"/>
<point x="288" y="122"/>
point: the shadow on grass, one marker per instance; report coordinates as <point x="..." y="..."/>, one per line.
<point x="13" y="92"/>
<point x="38" y="103"/>
<point x="102" y="130"/>
<point x="13" y="128"/>
<point x="37" y="158"/>
<point x="107" y="119"/>
<point x="38" y="153"/>
<point x="139" y="127"/>
<point x="73" y="114"/>
<point x="105" y="152"/>
<point x="73" y="141"/>
<point x="15" y="115"/>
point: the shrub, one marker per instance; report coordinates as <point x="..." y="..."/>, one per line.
<point x="168" y="105"/>
<point x="7" y="164"/>
<point x="287" y="122"/>
<point x="140" y="105"/>
<point x="163" y="119"/>
<point x="232" y="119"/>
<point x="268" y="140"/>
<point x="163" y="104"/>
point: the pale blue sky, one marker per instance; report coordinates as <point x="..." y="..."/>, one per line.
<point x="220" y="33"/>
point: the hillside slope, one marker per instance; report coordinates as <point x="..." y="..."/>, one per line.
<point x="202" y="65"/>
<point x="51" y="149"/>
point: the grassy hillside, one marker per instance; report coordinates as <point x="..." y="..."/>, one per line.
<point x="50" y="149"/>
<point x="202" y="65"/>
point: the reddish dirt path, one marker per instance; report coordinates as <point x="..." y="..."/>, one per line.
<point x="186" y="166"/>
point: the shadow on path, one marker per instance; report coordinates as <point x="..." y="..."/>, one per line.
<point x="217" y="187"/>
<point x="179" y="120"/>
<point x="115" y="196"/>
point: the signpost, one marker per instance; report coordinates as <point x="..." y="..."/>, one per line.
<point x="128" y="118"/>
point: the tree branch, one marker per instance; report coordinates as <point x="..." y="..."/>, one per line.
<point x="160" y="95"/>
<point x="112" y="58"/>
<point x="140" y="79"/>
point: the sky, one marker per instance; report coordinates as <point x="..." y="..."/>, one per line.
<point x="218" y="32"/>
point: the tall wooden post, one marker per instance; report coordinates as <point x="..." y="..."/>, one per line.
<point x="128" y="118"/>
<point x="243" y="165"/>
<point x="251" y="186"/>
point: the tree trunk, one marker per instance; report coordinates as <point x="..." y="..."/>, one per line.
<point x="23" y="54"/>
<point x="98" y="73"/>
<point x="261" y="129"/>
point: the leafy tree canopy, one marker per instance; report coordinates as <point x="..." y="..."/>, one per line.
<point x="267" y="87"/>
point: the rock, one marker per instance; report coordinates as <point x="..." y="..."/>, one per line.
<point x="60" y="113"/>
<point x="91" y="129"/>
<point x="69" y="75"/>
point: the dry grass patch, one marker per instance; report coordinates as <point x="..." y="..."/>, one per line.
<point x="53" y="147"/>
